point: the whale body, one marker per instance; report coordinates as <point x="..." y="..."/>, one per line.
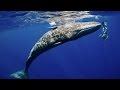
<point x="55" y="37"/>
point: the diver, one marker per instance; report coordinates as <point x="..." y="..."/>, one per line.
<point x="104" y="31"/>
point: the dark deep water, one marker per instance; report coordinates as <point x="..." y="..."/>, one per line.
<point x="89" y="57"/>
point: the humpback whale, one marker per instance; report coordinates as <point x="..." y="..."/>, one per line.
<point x="60" y="35"/>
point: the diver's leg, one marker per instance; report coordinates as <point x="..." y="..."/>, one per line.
<point x="104" y="30"/>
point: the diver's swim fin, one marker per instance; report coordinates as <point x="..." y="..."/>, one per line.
<point x="19" y="75"/>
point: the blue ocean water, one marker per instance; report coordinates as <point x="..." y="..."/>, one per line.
<point x="88" y="57"/>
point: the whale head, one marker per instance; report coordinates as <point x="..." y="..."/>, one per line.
<point x="84" y="28"/>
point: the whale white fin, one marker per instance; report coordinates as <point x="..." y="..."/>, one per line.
<point x="19" y="75"/>
<point x="53" y="27"/>
<point x="57" y="43"/>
